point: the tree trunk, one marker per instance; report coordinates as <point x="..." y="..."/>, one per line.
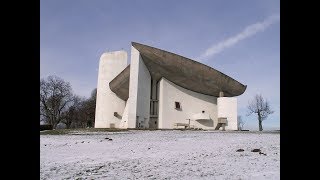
<point x="260" y="121"/>
<point x="68" y="125"/>
<point x="54" y="126"/>
<point x="260" y="125"/>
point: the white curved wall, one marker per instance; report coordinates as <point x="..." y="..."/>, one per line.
<point x="139" y="92"/>
<point x="110" y="65"/>
<point x="227" y="107"/>
<point x="191" y="103"/>
<point x="124" y="120"/>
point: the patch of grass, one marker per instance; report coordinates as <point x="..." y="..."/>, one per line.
<point x="83" y="130"/>
<point x="53" y="132"/>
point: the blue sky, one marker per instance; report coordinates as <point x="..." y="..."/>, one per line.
<point x="238" y="38"/>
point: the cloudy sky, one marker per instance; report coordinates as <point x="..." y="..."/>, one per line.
<point x="238" y="38"/>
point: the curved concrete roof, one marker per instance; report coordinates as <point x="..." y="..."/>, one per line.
<point x="120" y="84"/>
<point x="180" y="70"/>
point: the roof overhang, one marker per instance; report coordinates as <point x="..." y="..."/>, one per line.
<point x="180" y="70"/>
<point x="120" y="84"/>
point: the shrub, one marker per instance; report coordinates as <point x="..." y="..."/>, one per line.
<point x="45" y="127"/>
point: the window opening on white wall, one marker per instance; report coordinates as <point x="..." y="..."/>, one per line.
<point x="177" y="105"/>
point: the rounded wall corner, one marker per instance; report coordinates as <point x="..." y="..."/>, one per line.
<point x="121" y="54"/>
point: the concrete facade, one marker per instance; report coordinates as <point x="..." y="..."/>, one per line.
<point x="191" y="104"/>
<point x="139" y="92"/>
<point x="110" y="65"/>
<point x="227" y="108"/>
<point x="163" y="90"/>
<point x="125" y="117"/>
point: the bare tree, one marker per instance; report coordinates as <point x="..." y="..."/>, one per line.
<point x="240" y="123"/>
<point x="91" y="108"/>
<point x="87" y="112"/>
<point x="81" y="113"/>
<point x="72" y="114"/>
<point x="81" y="117"/>
<point x="55" y="98"/>
<point x="260" y="107"/>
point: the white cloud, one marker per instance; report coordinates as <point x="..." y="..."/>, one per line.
<point x="247" y="32"/>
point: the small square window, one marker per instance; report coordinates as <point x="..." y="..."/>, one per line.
<point x="177" y="105"/>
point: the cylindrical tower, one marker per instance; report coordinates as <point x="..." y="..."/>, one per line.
<point x="109" y="107"/>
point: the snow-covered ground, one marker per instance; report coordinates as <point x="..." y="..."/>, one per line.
<point x="160" y="155"/>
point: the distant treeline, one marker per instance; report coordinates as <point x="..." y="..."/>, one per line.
<point x="59" y="105"/>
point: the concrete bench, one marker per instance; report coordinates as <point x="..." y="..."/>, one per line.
<point x="181" y="124"/>
<point x="222" y="121"/>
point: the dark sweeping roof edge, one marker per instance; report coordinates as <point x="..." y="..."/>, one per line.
<point x="231" y="86"/>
